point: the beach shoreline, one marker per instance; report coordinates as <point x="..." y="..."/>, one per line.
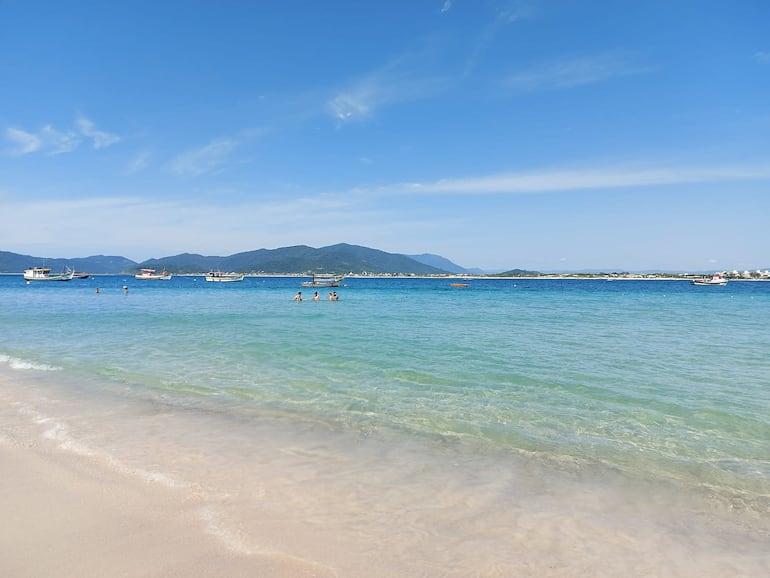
<point x="75" y="506"/>
<point x="66" y="515"/>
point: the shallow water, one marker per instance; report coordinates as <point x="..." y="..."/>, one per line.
<point x="515" y="426"/>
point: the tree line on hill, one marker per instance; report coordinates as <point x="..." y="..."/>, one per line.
<point x="340" y="258"/>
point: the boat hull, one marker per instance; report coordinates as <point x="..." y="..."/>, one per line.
<point x="324" y="280"/>
<point x="151" y="275"/>
<point x="224" y="277"/>
<point x="44" y="274"/>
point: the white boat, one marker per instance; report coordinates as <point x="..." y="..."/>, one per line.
<point x="716" y="279"/>
<point x="222" y="277"/>
<point x="44" y="274"/>
<point x="324" y="280"/>
<point x="151" y="274"/>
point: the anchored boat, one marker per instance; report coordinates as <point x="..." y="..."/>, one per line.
<point x="324" y="280"/>
<point x="44" y="274"/>
<point x="716" y="279"/>
<point x="222" y="277"/>
<point x="151" y="274"/>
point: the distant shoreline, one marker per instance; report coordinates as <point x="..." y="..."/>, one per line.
<point x="471" y="277"/>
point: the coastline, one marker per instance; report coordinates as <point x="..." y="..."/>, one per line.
<point x="471" y="277"/>
<point x="68" y="513"/>
<point x="65" y="516"/>
<point x="273" y="500"/>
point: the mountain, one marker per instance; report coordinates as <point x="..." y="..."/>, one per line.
<point x="440" y="262"/>
<point x="15" y="263"/>
<point x="519" y="273"/>
<point x="341" y="258"/>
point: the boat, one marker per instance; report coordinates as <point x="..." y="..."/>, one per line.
<point x="80" y="275"/>
<point x="44" y="274"/>
<point x="324" y="280"/>
<point x="222" y="277"/>
<point x="151" y="274"/>
<point x="716" y="279"/>
<point x="459" y="284"/>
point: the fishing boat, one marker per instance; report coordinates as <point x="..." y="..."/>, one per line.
<point x="151" y="274"/>
<point x="222" y="277"/>
<point x="324" y="280"/>
<point x="44" y="274"/>
<point x="715" y="279"/>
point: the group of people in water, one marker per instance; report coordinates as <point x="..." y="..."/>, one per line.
<point x="316" y="297"/>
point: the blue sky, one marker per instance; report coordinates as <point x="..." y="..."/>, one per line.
<point x="540" y="134"/>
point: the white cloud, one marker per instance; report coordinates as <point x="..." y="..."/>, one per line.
<point x="762" y="56"/>
<point x="47" y="139"/>
<point x="398" y="81"/>
<point x="576" y="72"/>
<point x="140" y="162"/>
<point x="447" y="6"/>
<point x="205" y="159"/>
<point x="51" y="141"/>
<point x="25" y="142"/>
<point x="353" y="105"/>
<point x="581" y="179"/>
<point x="140" y="228"/>
<point x="100" y="138"/>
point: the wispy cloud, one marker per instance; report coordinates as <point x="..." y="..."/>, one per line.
<point x="280" y="222"/>
<point x="139" y="163"/>
<point x="214" y="156"/>
<point x="581" y="179"/>
<point x="99" y="138"/>
<point x="51" y="141"/>
<point x="206" y="159"/>
<point x="400" y="80"/>
<point x="447" y="6"/>
<point x="47" y="140"/>
<point x="24" y="141"/>
<point x="762" y="56"/>
<point x="575" y="72"/>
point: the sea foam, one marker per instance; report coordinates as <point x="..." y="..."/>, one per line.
<point x="22" y="364"/>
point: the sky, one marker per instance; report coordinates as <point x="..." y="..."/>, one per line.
<point x="549" y="135"/>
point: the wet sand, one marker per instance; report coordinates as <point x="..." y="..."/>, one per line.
<point x="64" y="516"/>
<point x="95" y="487"/>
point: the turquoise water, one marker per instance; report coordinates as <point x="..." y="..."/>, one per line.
<point x="656" y="381"/>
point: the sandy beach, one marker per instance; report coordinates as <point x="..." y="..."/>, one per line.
<point x="584" y="431"/>
<point x="65" y="516"/>
<point x="68" y="513"/>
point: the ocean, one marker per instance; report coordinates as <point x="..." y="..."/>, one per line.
<point x="513" y="427"/>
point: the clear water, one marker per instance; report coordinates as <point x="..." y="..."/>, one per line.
<point x="651" y="396"/>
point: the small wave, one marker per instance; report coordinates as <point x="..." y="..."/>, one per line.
<point x="59" y="433"/>
<point x="22" y="364"/>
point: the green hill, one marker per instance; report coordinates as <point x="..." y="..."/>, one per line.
<point x="16" y="263"/>
<point x="340" y="258"/>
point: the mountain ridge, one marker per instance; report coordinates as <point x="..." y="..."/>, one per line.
<point x="339" y="258"/>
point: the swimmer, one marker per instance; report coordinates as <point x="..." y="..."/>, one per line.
<point x="316" y="296"/>
<point x="298" y="296"/>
